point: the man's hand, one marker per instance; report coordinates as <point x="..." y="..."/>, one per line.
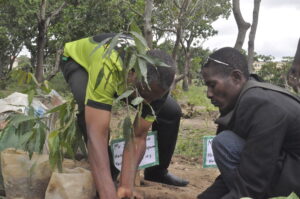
<point x="124" y="193"/>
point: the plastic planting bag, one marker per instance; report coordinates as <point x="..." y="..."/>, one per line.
<point x="74" y="183"/>
<point x="23" y="177"/>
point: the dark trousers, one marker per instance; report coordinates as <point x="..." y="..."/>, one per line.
<point x="166" y="125"/>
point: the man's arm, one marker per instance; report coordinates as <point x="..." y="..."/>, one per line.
<point x="133" y="154"/>
<point x="97" y="122"/>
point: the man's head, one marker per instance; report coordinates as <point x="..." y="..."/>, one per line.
<point x="159" y="78"/>
<point x="225" y="73"/>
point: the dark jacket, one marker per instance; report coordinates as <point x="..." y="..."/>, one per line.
<point x="268" y="118"/>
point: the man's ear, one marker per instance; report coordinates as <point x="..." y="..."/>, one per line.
<point x="132" y="77"/>
<point x="237" y="76"/>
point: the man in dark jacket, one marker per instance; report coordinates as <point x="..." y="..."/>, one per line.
<point x="257" y="147"/>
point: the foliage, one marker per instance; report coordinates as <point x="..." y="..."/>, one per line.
<point x="20" y="25"/>
<point x="30" y="126"/>
<point x="66" y="139"/>
<point x="195" y="96"/>
<point x="63" y="140"/>
<point x="275" y="73"/>
<point x="190" y="22"/>
<point x="291" y="196"/>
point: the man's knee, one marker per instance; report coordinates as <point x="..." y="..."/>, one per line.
<point x="227" y="142"/>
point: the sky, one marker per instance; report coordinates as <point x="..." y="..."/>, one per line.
<point x="277" y="33"/>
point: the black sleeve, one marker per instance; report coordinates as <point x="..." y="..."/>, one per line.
<point x="215" y="191"/>
<point x="263" y="124"/>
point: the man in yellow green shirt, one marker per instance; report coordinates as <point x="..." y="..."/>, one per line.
<point x="82" y="63"/>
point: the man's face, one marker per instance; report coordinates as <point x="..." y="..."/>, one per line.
<point x="153" y="94"/>
<point x="222" y="90"/>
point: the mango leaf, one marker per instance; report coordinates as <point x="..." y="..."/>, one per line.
<point x="15" y="121"/>
<point x="127" y="129"/>
<point x="42" y="135"/>
<point x="124" y="95"/>
<point x="30" y="96"/>
<point x="143" y="70"/>
<point x="61" y="107"/>
<point x="99" y="78"/>
<point x="136" y="101"/>
<point x="33" y="78"/>
<point x="140" y="42"/>
<point x="135" y="28"/>
<point x="100" y="45"/>
<point x="112" y="45"/>
<point x="132" y="62"/>
<point x="291" y="196"/>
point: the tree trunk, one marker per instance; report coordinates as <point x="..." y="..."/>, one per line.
<point x="147" y="22"/>
<point x="243" y="26"/>
<point x="185" y="83"/>
<point x="56" y="65"/>
<point x="41" y="42"/>
<point x="43" y="23"/>
<point x="252" y="34"/>
<point x="293" y="74"/>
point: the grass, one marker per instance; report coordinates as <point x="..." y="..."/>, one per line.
<point x="190" y="143"/>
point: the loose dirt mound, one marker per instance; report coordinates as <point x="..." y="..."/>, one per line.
<point x="199" y="178"/>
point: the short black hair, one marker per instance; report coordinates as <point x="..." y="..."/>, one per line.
<point x="162" y="75"/>
<point x="226" y="60"/>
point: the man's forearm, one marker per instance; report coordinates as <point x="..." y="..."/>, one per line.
<point x="99" y="162"/>
<point x="133" y="154"/>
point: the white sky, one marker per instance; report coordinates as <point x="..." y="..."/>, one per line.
<point x="278" y="29"/>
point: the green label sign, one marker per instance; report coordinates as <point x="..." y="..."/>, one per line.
<point x="150" y="157"/>
<point x="208" y="156"/>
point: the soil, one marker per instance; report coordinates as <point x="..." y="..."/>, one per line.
<point x="199" y="178"/>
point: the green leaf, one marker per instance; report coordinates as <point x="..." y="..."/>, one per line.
<point x="140" y="42"/>
<point x="135" y="28"/>
<point x="137" y="101"/>
<point x="132" y="62"/>
<point x="127" y="129"/>
<point x="124" y="95"/>
<point x="143" y="69"/>
<point x="99" y="78"/>
<point x="100" y="45"/>
<point x="112" y="45"/>
<point x="61" y="107"/>
<point x="291" y="196"/>
<point x="30" y="96"/>
<point x="20" y="118"/>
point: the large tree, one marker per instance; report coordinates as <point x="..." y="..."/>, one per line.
<point x="43" y="26"/>
<point x="189" y="23"/>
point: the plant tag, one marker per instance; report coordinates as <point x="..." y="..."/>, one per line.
<point x="208" y="156"/>
<point x="150" y="157"/>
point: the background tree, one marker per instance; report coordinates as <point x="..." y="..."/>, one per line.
<point x="293" y="74"/>
<point x="189" y="23"/>
<point x="243" y="27"/>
